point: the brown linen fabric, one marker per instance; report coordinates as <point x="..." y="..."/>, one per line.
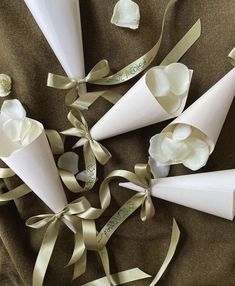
<point x="206" y="252"/>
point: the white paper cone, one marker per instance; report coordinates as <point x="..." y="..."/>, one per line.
<point x="60" y="23"/>
<point x="136" y="109"/>
<point x="211" y="193"/>
<point x="209" y="112"/>
<point x="35" y="165"/>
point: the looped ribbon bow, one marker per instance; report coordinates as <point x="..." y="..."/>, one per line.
<point x="80" y="219"/>
<point x="92" y="149"/>
<point x="231" y="57"/>
<point x="99" y="71"/>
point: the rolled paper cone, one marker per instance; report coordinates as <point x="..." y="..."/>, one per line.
<point x="136" y="109"/>
<point x="209" y="112"/>
<point x="211" y="192"/>
<point x="60" y="23"/>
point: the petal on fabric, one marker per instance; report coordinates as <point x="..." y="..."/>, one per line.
<point x="199" y="154"/>
<point x="13" y="109"/>
<point x="158" y="170"/>
<point x="69" y="162"/>
<point x="181" y="131"/>
<point x="179" y="77"/>
<point x="126" y="14"/>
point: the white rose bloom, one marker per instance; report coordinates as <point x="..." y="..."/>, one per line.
<point x="18" y="127"/>
<point x="181" y="144"/>
<point x="126" y="14"/>
<point x="5" y="85"/>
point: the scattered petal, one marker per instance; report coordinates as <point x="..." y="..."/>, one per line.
<point x="82" y="176"/>
<point x="69" y="162"/>
<point x="179" y="77"/>
<point x="181" y="132"/>
<point x="158" y="170"/>
<point x="13" y="109"/>
<point x="126" y="14"/>
<point x="199" y="154"/>
<point x="5" y="85"/>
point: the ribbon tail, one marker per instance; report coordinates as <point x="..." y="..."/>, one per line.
<point x="171" y="251"/>
<point x="45" y="253"/>
<point x="16" y="193"/>
<point x="183" y="45"/>
<point x="121" y="278"/>
<point x="101" y="153"/>
<point x="6" y="173"/>
<point x="55" y="141"/>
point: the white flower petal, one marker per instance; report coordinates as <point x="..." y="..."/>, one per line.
<point x="126" y="14"/>
<point x="30" y="131"/>
<point x="199" y="154"/>
<point x="158" y="170"/>
<point x="158" y="83"/>
<point x="13" y="109"/>
<point x="12" y="128"/>
<point x="82" y="176"/>
<point x="5" y="85"/>
<point x="154" y="147"/>
<point x="181" y="131"/>
<point x="171" y="103"/>
<point x="179" y="77"/>
<point x="69" y="162"/>
<point x="174" y="150"/>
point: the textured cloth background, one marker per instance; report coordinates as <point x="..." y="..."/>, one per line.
<point x="206" y="252"/>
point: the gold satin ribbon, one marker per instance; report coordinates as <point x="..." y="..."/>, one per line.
<point x="231" y="57"/>
<point x="100" y="70"/>
<point x="55" y="141"/>
<point x="74" y="213"/>
<point x="15" y="193"/>
<point x="92" y="150"/>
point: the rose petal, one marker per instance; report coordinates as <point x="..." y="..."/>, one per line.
<point x="5" y="85"/>
<point x="158" y="83"/>
<point x="171" y="103"/>
<point x="174" y="150"/>
<point x="199" y="154"/>
<point x="12" y="128"/>
<point x="126" y="14"/>
<point x="181" y="131"/>
<point x="158" y="170"/>
<point x="154" y="147"/>
<point x="13" y="109"/>
<point x="32" y="130"/>
<point x="69" y="162"/>
<point x="179" y="76"/>
<point x="82" y="176"/>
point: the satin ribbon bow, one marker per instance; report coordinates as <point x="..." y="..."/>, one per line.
<point x="232" y="57"/>
<point x="78" y="217"/>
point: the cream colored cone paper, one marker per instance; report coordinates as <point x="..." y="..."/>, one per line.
<point x="136" y="109"/>
<point x="60" y="22"/>
<point x="35" y="165"/>
<point x="209" y="112"/>
<point x="211" y="193"/>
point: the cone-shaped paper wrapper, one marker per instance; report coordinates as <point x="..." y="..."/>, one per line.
<point x="211" y="193"/>
<point x="35" y="165"/>
<point x="209" y="112"/>
<point x="60" y="23"/>
<point x="136" y="109"/>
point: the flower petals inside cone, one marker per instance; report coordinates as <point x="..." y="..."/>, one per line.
<point x="126" y="14"/>
<point x="169" y="85"/>
<point x="181" y="144"/>
<point x="18" y="128"/>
